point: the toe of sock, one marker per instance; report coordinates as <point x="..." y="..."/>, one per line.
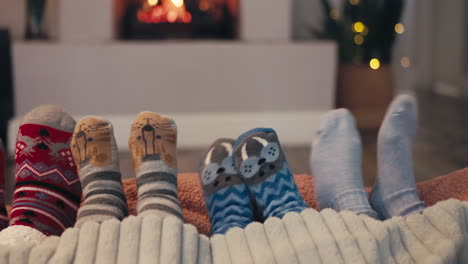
<point x="404" y="101"/>
<point x="91" y="118"/>
<point x="335" y="115"/>
<point x="50" y="115"/>
<point x="251" y="132"/>
<point x="403" y="108"/>
<point x="157" y="117"/>
<point x="216" y="168"/>
<point x="337" y="119"/>
<point x="400" y="122"/>
<point x="215" y="152"/>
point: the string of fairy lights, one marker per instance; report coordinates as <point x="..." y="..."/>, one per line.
<point x="360" y="32"/>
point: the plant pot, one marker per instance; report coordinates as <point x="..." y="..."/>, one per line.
<point x="365" y="92"/>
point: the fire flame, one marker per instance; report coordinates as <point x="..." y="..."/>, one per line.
<point x="164" y="11"/>
<point x="178" y="3"/>
<point x="153" y="2"/>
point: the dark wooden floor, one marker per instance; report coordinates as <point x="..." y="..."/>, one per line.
<point x="441" y="145"/>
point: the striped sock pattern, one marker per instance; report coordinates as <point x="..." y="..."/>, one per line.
<point x="47" y="190"/>
<point x="96" y="154"/>
<point x="263" y="167"/>
<point x="152" y="143"/>
<point x="227" y="198"/>
<point x="278" y="195"/>
<point x="3" y="212"/>
<point x="229" y="207"/>
<point x="157" y="189"/>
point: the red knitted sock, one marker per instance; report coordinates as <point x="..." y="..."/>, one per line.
<point x="47" y="191"/>
<point x="3" y="212"/>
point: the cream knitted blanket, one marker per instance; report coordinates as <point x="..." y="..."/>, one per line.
<point x="439" y="235"/>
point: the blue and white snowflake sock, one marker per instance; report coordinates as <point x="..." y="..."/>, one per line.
<point x="227" y="198"/>
<point x="263" y="167"/>
<point x="394" y="193"/>
<point x="336" y="165"/>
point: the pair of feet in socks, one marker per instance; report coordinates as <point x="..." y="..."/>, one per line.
<point x="336" y="164"/>
<point x="152" y="144"/>
<point x="50" y="150"/>
<point x="254" y="165"/>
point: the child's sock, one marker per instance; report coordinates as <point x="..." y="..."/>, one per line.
<point x="227" y="198"/>
<point x="3" y="211"/>
<point x="263" y="167"/>
<point x="394" y="193"/>
<point x="47" y="191"/>
<point x="336" y="165"/>
<point x="152" y="142"/>
<point x="96" y="154"/>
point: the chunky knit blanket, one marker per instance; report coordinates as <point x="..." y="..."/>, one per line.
<point x="453" y="185"/>
<point x="439" y="235"/>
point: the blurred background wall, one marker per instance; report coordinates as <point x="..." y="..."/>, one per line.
<point x="246" y="71"/>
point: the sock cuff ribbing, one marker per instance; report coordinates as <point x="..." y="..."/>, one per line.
<point x="401" y="203"/>
<point x="355" y="200"/>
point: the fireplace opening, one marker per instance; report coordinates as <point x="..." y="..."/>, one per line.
<point x="177" y="19"/>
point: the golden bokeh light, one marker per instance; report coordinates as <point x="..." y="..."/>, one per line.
<point x="399" y="28"/>
<point x="374" y="64"/>
<point x="358" y="39"/>
<point x="358" y="27"/>
<point x="153" y="2"/>
<point x="354" y="2"/>
<point x="405" y="62"/>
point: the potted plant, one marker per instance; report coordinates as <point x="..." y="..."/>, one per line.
<point x="365" y="31"/>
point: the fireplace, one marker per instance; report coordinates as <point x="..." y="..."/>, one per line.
<point x="177" y="19"/>
<point x="88" y="57"/>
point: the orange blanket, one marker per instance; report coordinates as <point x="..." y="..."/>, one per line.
<point x="453" y="185"/>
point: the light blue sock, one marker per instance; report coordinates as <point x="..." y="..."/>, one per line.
<point x="227" y="198"/>
<point x="394" y="193"/>
<point x="336" y="165"/>
<point x="263" y="167"/>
